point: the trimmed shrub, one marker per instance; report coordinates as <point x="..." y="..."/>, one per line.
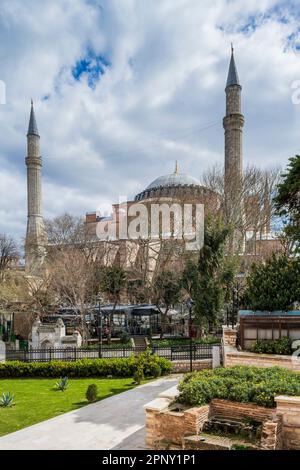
<point x="91" y="393"/>
<point x="138" y="375"/>
<point x="155" y="370"/>
<point x="240" y="384"/>
<point x="276" y="346"/>
<point x="119" y="367"/>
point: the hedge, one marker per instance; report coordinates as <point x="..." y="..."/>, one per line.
<point x="119" y="367"/>
<point x="240" y="383"/>
<point x="273" y="346"/>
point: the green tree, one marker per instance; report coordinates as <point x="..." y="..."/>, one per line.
<point x="274" y="285"/>
<point x="113" y="281"/>
<point x="207" y="281"/>
<point x="287" y="202"/>
<point x="166" y="290"/>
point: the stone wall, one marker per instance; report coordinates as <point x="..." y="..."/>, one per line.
<point x="165" y="428"/>
<point x="272" y="434"/>
<point x="171" y="427"/>
<point x="241" y="358"/>
<point x="184" y="366"/>
<point x="233" y="357"/>
<point x="288" y="408"/>
<point x="229" y="336"/>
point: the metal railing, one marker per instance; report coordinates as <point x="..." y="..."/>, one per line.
<point x="173" y="352"/>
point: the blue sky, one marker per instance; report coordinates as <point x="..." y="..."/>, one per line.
<point x="123" y="88"/>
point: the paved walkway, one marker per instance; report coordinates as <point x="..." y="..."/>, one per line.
<point x="117" y="422"/>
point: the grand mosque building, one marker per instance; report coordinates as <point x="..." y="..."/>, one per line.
<point x="175" y="187"/>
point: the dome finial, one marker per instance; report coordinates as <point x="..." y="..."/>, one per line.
<point x="176" y="172"/>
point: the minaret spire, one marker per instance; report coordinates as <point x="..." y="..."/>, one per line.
<point x="233" y="77"/>
<point x="176" y="172"/>
<point x="32" y="127"/>
<point x="35" y="244"/>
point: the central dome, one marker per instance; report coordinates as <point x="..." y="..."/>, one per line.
<point x="174" y="179"/>
<point x="171" y="185"/>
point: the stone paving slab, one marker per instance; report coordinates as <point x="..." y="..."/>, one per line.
<point x="117" y="422"/>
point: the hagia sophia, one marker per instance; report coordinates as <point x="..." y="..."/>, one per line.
<point x="175" y="187"/>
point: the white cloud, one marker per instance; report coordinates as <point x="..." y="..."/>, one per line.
<point x="161" y="98"/>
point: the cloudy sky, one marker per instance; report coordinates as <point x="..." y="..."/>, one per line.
<point x="123" y="88"/>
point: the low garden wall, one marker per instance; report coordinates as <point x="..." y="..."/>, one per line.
<point x="241" y="358"/>
<point x="233" y="357"/>
<point x="170" y="428"/>
<point x="184" y="366"/>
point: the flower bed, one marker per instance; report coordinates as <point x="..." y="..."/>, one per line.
<point x="240" y="384"/>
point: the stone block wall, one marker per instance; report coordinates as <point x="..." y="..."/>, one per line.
<point x="288" y="408"/>
<point x="184" y="366"/>
<point x="229" y="336"/>
<point x="271" y="438"/>
<point x="165" y="428"/>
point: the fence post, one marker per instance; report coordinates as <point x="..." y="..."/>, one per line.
<point x="2" y="351"/>
<point x="216" y="360"/>
<point x="75" y="353"/>
<point x="50" y="355"/>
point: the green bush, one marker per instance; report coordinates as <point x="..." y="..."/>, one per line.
<point x="155" y="370"/>
<point x="118" y="367"/>
<point x="276" y="346"/>
<point x="124" y="337"/>
<point x="91" y="393"/>
<point x="168" y="342"/>
<point x="138" y="375"/>
<point x="240" y="384"/>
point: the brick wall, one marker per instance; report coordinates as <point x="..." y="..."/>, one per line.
<point x="241" y="358"/>
<point x="167" y="429"/>
<point x="271" y="438"/>
<point x="233" y="357"/>
<point x="230" y="409"/>
<point x="229" y="336"/>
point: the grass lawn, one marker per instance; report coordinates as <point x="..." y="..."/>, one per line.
<point x="37" y="399"/>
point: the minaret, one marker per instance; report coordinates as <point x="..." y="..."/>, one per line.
<point x="233" y="124"/>
<point x="35" y="244"/>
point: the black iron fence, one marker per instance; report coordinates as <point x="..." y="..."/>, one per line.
<point x="174" y="352"/>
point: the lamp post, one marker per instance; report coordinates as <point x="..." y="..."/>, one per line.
<point x="99" y="324"/>
<point x="189" y="304"/>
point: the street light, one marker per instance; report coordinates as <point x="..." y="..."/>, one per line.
<point x="189" y="304"/>
<point x="99" y="324"/>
